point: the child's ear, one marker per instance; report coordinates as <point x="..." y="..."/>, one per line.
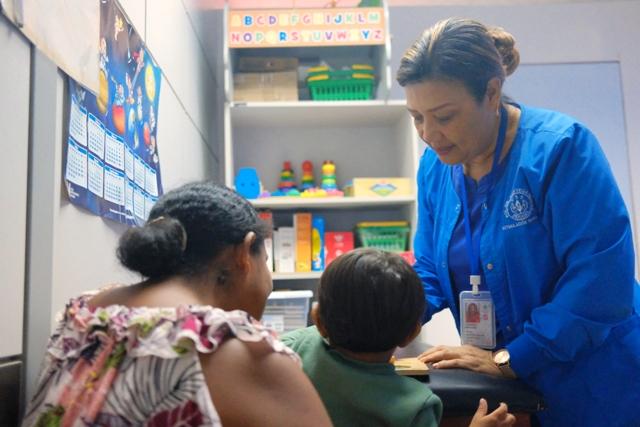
<point x="412" y="335"/>
<point x="315" y="317"/>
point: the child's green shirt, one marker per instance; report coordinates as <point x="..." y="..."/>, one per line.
<point x="362" y="394"/>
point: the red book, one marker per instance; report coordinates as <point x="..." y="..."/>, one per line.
<point x="337" y="243"/>
<point x="408" y="256"/>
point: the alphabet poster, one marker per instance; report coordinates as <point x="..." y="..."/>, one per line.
<point x="112" y="165"/>
<point x="306" y="27"/>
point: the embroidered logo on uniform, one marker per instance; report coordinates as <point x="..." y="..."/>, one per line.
<point x="519" y="206"/>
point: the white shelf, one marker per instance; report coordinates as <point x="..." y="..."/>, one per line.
<point x="325" y="113"/>
<point x="280" y="203"/>
<point x="296" y="276"/>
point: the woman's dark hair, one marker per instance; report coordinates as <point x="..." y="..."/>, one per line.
<point x="460" y="50"/>
<point x="370" y="300"/>
<point x="187" y="228"/>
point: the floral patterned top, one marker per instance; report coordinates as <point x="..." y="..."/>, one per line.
<point x="119" y="366"/>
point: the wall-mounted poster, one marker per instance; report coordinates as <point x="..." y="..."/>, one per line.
<point x="112" y="165"/>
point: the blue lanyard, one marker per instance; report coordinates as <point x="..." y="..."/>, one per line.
<point x="473" y="250"/>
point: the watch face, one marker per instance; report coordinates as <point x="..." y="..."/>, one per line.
<point x="501" y="357"/>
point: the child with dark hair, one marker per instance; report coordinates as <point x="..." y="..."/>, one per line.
<point x="369" y="303"/>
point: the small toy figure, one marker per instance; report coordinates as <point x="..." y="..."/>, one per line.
<point x="103" y="58"/>
<point x="129" y="83"/>
<point x="139" y="103"/>
<point x="307" y="175"/>
<point x="117" y="110"/>
<point x="152" y="118"/>
<point x="287" y="181"/>
<point x="247" y="183"/>
<point x="118" y="27"/>
<point x="153" y="153"/>
<point x="328" y="176"/>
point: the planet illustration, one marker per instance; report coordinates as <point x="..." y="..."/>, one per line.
<point x="103" y="92"/>
<point x="117" y="113"/>
<point x="150" y="82"/>
<point x="146" y="134"/>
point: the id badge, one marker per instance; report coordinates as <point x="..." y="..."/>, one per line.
<point x="477" y="319"/>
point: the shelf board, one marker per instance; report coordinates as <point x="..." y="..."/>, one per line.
<point x="296" y="276"/>
<point x="281" y="203"/>
<point x="313" y="113"/>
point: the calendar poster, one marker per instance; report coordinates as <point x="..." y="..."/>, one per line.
<point x="112" y="165"/>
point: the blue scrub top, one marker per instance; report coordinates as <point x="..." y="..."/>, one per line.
<point x="459" y="263"/>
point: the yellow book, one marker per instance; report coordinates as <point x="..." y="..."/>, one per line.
<point x="302" y="227"/>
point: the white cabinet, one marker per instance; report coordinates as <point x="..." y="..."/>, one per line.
<point x="372" y="138"/>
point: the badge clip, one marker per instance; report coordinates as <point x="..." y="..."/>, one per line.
<point x="475" y="280"/>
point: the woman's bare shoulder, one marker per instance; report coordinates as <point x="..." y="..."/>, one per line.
<point x="114" y="294"/>
<point x="272" y="381"/>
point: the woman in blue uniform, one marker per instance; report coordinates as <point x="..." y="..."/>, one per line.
<point x="520" y="214"/>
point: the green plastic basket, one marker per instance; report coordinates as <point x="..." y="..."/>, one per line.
<point x="391" y="238"/>
<point x="341" y="86"/>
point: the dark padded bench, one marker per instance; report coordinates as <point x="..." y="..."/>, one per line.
<point x="460" y="391"/>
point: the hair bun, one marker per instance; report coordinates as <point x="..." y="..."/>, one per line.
<point x="505" y="43"/>
<point x="154" y="250"/>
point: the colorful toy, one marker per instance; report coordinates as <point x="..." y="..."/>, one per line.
<point x="287" y="181"/>
<point x="317" y="243"/>
<point x="307" y="175"/>
<point x="247" y="183"/>
<point x="328" y="176"/>
<point x="314" y="192"/>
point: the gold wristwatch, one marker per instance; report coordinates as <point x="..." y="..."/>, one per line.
<point x="502" y="359"/>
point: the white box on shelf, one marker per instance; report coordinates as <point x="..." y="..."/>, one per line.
<point x="268" y="246"/>
<point x="287" y="310"/>
<point x="285" y="250"/>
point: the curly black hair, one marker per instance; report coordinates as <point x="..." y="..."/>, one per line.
<point x="187" y="228"/>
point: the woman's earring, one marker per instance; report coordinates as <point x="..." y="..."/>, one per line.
<point x="222" y="277"/>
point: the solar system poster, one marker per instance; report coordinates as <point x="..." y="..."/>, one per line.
<point x="112" y="165"/>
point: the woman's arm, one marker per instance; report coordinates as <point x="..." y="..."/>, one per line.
<point x="423" y="246"/>
<point x="251" y="385"/>
<point x="586" y="215"/>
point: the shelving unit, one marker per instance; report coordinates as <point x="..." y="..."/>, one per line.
<point x="280" y="203"/>
<point x="373" y="138"/>
<point x="314" y="275"/>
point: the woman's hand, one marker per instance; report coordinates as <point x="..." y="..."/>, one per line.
<point x="498" y="418"/>
<point x="465" y="357"/>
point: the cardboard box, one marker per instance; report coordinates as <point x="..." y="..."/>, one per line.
<point x="379" y="187"/>
<point x="274" y="86"/>
<point x="266" y="64"/>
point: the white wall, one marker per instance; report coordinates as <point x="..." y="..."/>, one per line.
<point x="14" y="139"/>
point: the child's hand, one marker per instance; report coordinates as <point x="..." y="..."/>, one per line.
<point x="498" y="418"/>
